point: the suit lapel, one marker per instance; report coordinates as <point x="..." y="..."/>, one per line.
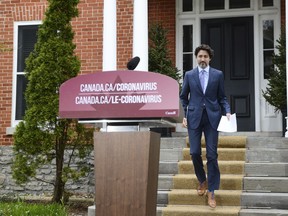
<point x="210" y="78"/>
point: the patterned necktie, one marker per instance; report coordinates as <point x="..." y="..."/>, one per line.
<point x="202" y="79"/>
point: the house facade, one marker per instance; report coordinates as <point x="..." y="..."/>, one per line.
<point x="108" y="33"/>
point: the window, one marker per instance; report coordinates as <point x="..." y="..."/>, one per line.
<point x="214" y="4"/>
<point x="210" y="5"/>
<point x="239" y="4"/>
<point x="187" y="48"/>
<point x="25" y="37"/>
<point x="268" y="46"/>
<point x="187" y="5"/>
<point x="267" y="3"/>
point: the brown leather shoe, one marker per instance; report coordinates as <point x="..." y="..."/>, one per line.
<point x="211" y="199"/>
<point x="201" y="190"/>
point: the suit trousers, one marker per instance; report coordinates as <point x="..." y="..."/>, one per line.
<point x="211" y="140"/>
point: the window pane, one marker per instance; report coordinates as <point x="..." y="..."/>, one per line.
<point x="267" y="3"/>
<point x="20" y="100"/>
<point x="187" y="48"/>
<point x="239" y="4"/>
<point x="267" y="63"/>
<point x="27" y="37"/>
<point x="187" y="5"/>
<point x="187" y="62"/>
<point x="268" y="34"/>
<point x="214" y="4"/>
<point x="268" y="46"/>
<point x="187" y="38"/>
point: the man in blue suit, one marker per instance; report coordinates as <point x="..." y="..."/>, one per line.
<point x="203" y="100"/>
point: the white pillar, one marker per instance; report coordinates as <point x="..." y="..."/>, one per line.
<point x="109" y="61"/>
<point x="286" y="29"/>
<point x="140" y="33"/>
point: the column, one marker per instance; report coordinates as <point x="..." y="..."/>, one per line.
<point x="109" y="61"/>
<point x="140" y="33"/>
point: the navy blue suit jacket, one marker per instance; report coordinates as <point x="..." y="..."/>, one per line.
<point x="193" y="99"/>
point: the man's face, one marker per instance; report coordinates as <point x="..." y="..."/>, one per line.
<point x="203" y="58"/>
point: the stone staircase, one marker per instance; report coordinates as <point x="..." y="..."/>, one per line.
<point x="251" y="185"/>
<point x="177" y="189"/>
<point x="254" y="177"/>
<point x="170" y="154"/>
<point x="266" y="177"/>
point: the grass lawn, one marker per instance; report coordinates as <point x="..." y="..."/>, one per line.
<point x="31" y="209"/>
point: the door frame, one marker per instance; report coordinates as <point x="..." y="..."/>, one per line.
<point x="264" y="113"/>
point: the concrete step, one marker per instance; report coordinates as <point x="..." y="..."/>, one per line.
<point x="263" y="212"/>
<point x="162" y="197"/>
<point x="266" y="169"/>
<point x="226" y="167"/>
<point x="267" y="155"/>
<point x="162" y="200"/>
<point x="267" y="142"/>
<point x="168" y="167"/>
<point x="267" y="184"/>
<point x="174" y="154"/>
<point x="190" y="197"/>
<point x="181" y="133"/>
<point x="173" y="142"/>
<point x="264" y="200"/>
<point x="197" y="210"/>
<point x="252" y="134"/>
<point x="189" y="181"/>
<point x="165" y="182"/>
<point x="223" y="154"/>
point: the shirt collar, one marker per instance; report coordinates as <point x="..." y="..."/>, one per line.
<point x="206" y="69"/>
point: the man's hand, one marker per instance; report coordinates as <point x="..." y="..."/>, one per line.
<point x="228" y="116"/>
<point x="184" y="123"/>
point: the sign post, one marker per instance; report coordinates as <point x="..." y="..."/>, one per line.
<point x="126" y="163"/>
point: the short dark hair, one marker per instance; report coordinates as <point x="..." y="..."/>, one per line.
<point x="206" y="48"/>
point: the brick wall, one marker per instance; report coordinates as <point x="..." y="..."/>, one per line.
<point x="88" y="35"/>
<point x="124" y="32"/>
<point x="88" y="38"/>
<point x="163" y="11"/>
<point x="11" y="11"/>
<point x="88" y="28"/>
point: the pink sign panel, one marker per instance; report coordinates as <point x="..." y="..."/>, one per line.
<point x="119" y="94"/>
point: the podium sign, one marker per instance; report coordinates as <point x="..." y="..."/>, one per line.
<point x="119" y="94"/>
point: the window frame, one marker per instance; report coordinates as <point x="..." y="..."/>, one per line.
<point x="179" y="45"/>
<point x="17" y="24"/>
<point x="269" y="111"/>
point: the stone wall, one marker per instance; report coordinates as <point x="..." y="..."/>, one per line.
<point x="8" y="187"/>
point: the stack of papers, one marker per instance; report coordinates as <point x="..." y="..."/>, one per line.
<point x="226" y="125"/>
